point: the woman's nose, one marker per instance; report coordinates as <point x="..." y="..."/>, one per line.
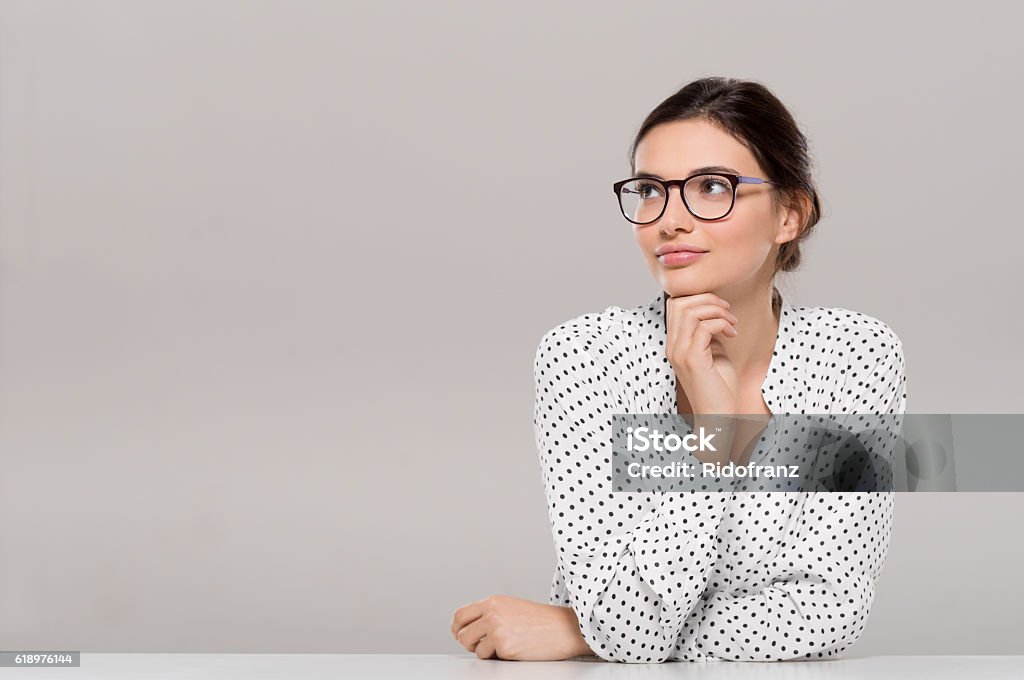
<point x="676" y="215"/>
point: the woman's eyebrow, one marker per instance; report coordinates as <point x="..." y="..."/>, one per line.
<point x="695" y="171"/>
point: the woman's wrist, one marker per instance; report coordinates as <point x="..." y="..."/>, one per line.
<point x="723" y="429"/>
<point x="580" y="646"/>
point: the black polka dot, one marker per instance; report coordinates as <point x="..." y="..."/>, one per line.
<point x="742" y="576"/>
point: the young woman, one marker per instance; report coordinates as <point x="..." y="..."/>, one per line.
<point x="720" y="198"/>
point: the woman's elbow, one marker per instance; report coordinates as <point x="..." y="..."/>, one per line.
<point x="834" y="640"/>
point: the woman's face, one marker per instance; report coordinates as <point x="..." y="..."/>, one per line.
<point x="741" y="246"/>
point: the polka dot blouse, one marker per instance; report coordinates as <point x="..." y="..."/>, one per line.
<point x="741" y="576"/>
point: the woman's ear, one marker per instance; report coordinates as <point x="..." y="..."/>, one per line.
<point x="795" y="212"/>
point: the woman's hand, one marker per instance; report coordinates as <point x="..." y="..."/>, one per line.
<point x="505" y="627"/>
<point x="709" y="381"/>
<point x="707" y="376"/>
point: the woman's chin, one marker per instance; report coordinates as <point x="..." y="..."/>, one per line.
<point x="679" y="285"/>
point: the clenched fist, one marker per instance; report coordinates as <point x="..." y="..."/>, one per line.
<point x="505" y="627"/>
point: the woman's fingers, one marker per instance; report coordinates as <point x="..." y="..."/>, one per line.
<point x="692" y="323"/>
<point x="687" y="318"/>
<point x="684" y="301"/>
<point x="692" y="329"/>
<point x="485" y="650"/>
<point x="466" y="614"/>
<point x="470" y="635"/>
<point x="706" y="329"/>
<point x="680" y="310"/>
<point x="675" y="306"/>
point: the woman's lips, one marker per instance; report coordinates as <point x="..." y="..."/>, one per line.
<point x="680" y="257"/>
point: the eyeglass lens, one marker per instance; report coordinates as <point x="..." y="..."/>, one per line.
<point x="709" y="197"/>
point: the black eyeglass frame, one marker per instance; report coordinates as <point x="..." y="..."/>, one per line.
<point x="734" y="179"/>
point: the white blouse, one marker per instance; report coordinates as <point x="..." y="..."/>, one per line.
<point x="743" y="576"/>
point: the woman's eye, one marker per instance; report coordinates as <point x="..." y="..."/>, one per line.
<point x="647" y="190"/>
<point x="713" y="186"/>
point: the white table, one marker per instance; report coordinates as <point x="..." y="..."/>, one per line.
<point x="468" y="667"/>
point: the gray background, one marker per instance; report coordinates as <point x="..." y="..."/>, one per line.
<point x="272" y="275"/>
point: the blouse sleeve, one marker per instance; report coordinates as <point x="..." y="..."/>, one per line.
<point x="632" y="568"/>
<point x="818" y="602"/>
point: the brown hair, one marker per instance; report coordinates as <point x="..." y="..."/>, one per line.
<point x="752" y="114"/>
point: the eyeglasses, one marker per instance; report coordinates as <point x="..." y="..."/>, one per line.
<point x="706" y="196"/>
